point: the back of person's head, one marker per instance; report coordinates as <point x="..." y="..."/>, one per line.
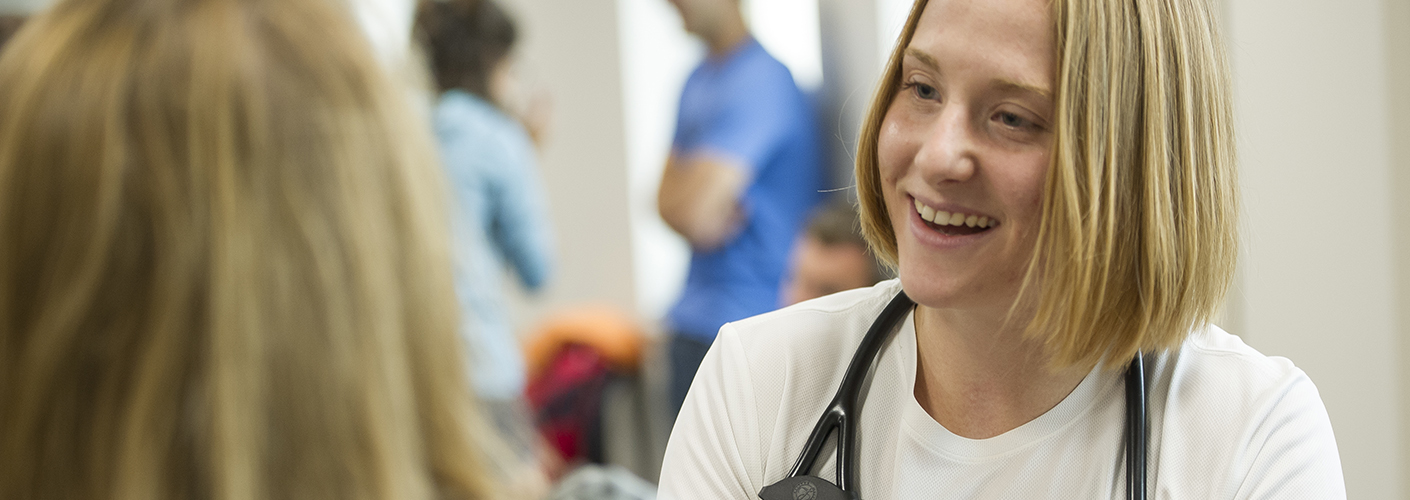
<point x="223" y="272"/>
<point x="465" y="40"/>
<point x="831" y="256"/>
<point x="836" y="224"/>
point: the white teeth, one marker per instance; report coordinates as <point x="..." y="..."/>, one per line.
<point x="944" y="218"/>
<point x="925" y="212"/>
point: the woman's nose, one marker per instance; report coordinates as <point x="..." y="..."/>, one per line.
<point x="947" y="153"/>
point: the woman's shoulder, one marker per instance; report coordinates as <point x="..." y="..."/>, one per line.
<point x="760" y="389"/>
<point x="1227" y="410"/>
<point x="1226" y="364"/>
<point x="1216" y="375"/>
<point x="795" y="357"/>
<point x="826" y="326"/>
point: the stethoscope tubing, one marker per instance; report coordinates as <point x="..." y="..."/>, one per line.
<point x="841" y="414"/>
<point x="1136" y="428"/>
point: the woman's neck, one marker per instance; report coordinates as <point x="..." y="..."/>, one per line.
<point x="980" y="379"/>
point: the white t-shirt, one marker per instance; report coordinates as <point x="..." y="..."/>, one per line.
<point x="1225" y="421"/>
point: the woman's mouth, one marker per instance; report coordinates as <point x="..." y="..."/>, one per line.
<point x="954" y="223"/>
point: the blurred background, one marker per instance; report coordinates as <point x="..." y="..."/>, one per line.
<point x="1322" y="91"/>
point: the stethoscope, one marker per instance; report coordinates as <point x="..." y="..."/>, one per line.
<point x="841" y="415"/>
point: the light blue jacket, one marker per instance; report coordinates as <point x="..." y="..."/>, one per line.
<point x="499" y="221"/>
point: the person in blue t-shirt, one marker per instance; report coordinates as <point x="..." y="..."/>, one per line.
<point x="743" y="174"/>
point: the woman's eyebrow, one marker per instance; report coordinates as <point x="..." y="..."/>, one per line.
<point x="924" y="58"/>
<point x="1007" y="85"/>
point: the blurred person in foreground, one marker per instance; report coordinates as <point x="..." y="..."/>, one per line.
<point x="223" y="268"/>
<point x="499" y="216"/>
<point x="831" y="256"/>
<point x="743" y="173"/>
<point x="1055" y="182"/>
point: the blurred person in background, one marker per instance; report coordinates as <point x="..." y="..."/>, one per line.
<point x="743" y="173"/>
<point x="223" y="263"/>
<point x="830" y="256"/>
<point x="499" y="214"/>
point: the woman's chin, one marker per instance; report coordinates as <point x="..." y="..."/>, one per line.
<point x="944" y="291"/>
<point x="933" y="292"/>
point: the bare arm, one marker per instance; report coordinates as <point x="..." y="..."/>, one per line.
<point x="699" y="198"/>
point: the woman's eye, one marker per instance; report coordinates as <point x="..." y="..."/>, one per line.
<point x="924" y="91"/>
<point x="1013" y="120"/>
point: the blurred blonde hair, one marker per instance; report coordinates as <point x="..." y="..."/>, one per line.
<point x="223" y="272"/>
<point x="1138" y="237"/>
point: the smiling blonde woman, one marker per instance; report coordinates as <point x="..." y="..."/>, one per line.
<point x="1054" y="182"/>
<point x="223" y="273"/>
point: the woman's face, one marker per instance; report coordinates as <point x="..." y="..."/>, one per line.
<point x="969" y="132"/>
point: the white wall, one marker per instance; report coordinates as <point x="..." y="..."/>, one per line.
<point x="1318" y="282"/>
<point x="569" y="49"/>
<point x="788" y="29"/>
<point x="850" y="48"/>
<point x="1398" y="58"/>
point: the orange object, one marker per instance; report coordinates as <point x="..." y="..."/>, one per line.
<point x="616" y="337"/>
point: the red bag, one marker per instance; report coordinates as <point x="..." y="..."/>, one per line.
<point x="567" y="401"/>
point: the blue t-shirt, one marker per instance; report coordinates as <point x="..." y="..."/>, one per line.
<point x="745" y="106"/>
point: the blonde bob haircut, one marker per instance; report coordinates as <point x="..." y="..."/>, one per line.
<point x="223" y="269"/>
<point x="1138" y="237"/>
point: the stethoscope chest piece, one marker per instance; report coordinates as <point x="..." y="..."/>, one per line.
<point x="804" y="488"/>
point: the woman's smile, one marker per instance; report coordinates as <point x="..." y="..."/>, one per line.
<point x="945" y="226"/>
<point x="957" y="221"/>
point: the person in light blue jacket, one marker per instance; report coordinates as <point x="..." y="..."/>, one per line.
<point x="499" y="220"/>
